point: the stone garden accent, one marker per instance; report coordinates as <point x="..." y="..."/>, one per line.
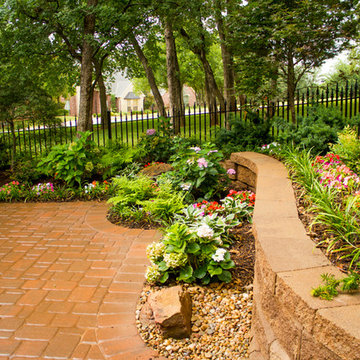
<point x="171" y="309"/>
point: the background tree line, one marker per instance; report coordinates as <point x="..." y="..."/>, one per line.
<point x="221" y="48"/>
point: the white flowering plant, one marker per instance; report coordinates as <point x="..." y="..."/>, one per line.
<point x="197" y="171"/>
<point x="189" y="254"/>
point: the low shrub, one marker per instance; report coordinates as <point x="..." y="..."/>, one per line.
<point x="316" y="131"/>
<point x="71" y="163"/>
<point x="197" y="172"/>
<point x="243" y="135"/>
<point x="141" y="199"/>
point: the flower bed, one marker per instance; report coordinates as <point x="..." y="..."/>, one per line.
<point x="288" y="322"/>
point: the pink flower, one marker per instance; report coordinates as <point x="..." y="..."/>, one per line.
<point x="202" y="163"/>
<point x="196" y="149"/>
<point x="150" y="132"/>
<point x="231" y="172"/>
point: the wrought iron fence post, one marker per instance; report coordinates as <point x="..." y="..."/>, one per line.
<point x="109" y="124"/>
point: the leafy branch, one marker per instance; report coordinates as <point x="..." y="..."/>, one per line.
<point x="330" y="288"/>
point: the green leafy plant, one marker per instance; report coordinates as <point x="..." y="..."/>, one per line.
<point x="142" y="199"/>
<point x="197" y="171"/>
<point x="188" y="254"/>
<point x="26" y="171"/>
<point x="330" y="288"/>
<point x="244" y="135"/>
<point x="348" y="148"/>
<point x="71" y="163"/>
<point x="195" y="247"/>
<point x="315" y="131"/>
<point x="114" y="160"/>
<point x="157" y="144"/>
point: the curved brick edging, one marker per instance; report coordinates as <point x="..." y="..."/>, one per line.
<point x="288" y="323"/>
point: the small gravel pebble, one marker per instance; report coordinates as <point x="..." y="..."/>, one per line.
<point x="221" y="321"/>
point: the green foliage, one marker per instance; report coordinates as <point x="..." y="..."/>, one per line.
<point x="157" y="145"/>
<point x="26" y="171"/>
<point x="189" y="256"/>
<point x="141" y="199"/>
<point x="348" y="148"/>
<point x="316" y="131"/>
<point x="71" y="163"/>
<point x="4" y="154"/>
<point x="114" y="159"/>
<point x="197" y="171"/>
<point x="330" y="288"/>
<point x="340" y="214"/>
<point x="244" y="135"/>
<point x="194" y="248"/>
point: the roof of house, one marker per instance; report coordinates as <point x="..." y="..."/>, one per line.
<point x="130" y="95"/>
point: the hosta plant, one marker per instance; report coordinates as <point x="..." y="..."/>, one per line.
<point x="195" y="247"/>
<point x="189" y="254"/>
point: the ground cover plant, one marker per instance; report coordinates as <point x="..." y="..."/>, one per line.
<point x="143" y="201"/>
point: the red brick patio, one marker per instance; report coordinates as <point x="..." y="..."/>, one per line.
<point x="69" y="283"/>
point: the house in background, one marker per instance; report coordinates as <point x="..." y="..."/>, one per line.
<point x="125" y="98"/>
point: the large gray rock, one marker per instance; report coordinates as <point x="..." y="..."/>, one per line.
<point x="171" y="309"/>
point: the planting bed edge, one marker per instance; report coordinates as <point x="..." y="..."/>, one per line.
<point x="288" y="323"/>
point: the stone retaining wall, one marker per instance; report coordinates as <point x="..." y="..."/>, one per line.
<point x="288" y="323"/>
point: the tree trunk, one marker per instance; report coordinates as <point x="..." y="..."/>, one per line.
<point x="211" y="79"/>
<point x="228" y="64"/>
<point x="291" y="85"/>
<point x="86" y="92"/>
<point x="173" y="78"/>
<point x="200" y="52"/>
<point x="150" y="77"/>
<point x="103" y="102"/>
<point x="211" y="100"/>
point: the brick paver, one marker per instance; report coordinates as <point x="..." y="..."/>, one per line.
<point x="69" y="283"/>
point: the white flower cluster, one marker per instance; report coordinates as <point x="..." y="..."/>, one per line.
<point x="185" y="186"/>
<point x="219" y="255"/>
<point x="152" y="274"/>
<point x="175" y="260"/>
<point x="88" y="188"/>
<point x="205" y="231"/>
<point x="155" y="251"/>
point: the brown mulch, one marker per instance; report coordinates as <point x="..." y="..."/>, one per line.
<point x="243" y="254"/>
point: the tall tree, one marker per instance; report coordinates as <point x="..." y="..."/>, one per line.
<point x="90" y="30"/>
<point x="27" y="85"/>
<point x="173" y="76"/>
<point x="222" y="7"/>
<point x="293" y="33"/>
<point x="149" y="75"/>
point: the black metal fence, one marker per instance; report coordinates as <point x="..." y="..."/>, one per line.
<point x="198" y="122"/>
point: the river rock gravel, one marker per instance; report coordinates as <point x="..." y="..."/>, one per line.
<point x="221" y="320"/>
